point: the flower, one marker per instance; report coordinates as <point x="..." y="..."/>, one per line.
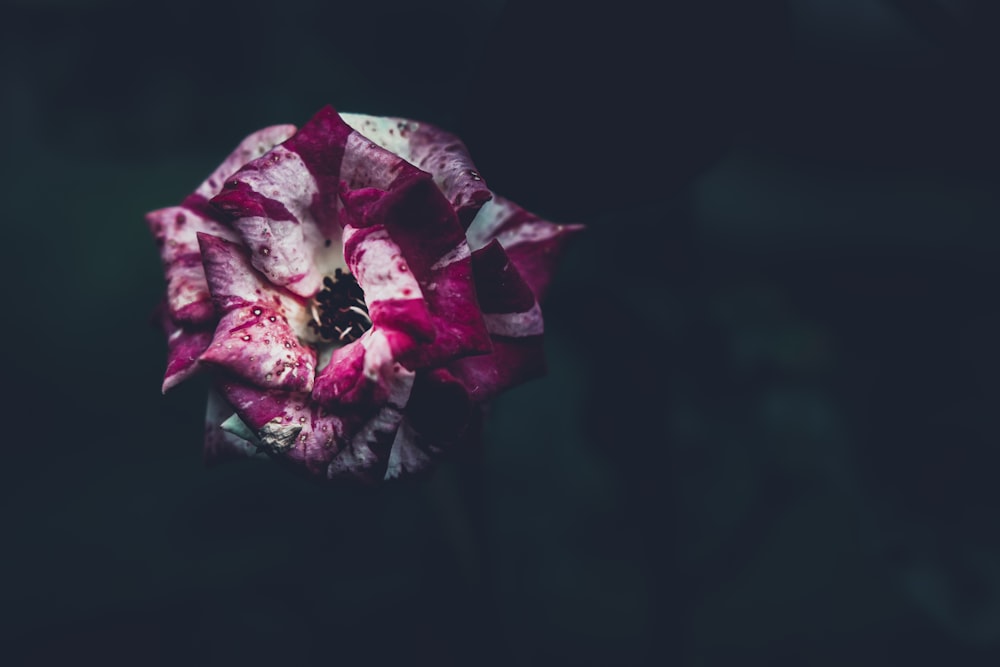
<point x="355" y="293"/>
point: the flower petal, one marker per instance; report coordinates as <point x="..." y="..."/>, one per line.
<point x="393" y="296"/>
<point x="440" y="153"/>
<point x="366" y="455"/>
<point x="338" y="441"/>
<point x="437" y="417"/>
<point x="350" y="379"/>
<point x="253" y="339"/>
<point x="175" y="230"/>
<point x="185" y="343"/>
<point x="533" y="244"/>
<point x="422" y="254"/>
<point x="234" y="283"/>
<point x="285" y="204"/>
<point x="514" y="321"/>
<point x="288" y="426"/>
<point x="257" y="344"/>
<point x="250" y="148"/>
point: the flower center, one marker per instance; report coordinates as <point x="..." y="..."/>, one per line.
<point x="339" y="312"/>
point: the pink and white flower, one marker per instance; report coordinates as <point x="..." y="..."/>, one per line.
<point x="356" y="294"/>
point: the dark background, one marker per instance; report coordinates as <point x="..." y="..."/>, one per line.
<point x="769" y="431"/>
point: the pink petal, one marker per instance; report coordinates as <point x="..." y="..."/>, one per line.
<point x="350" y="379"/>
<point x="232" y="280"/>
<point x="343" y="440"/>
<point x="289" y="427"/>
<point x="514" y="321"/>
<point x="253" y="339"/>
<point x="185" y="343"/>
<point x="392" y="293"/>
<point x="250" y="148"/>
<point x="256" y="344"/>
<point x="285" y="203"/>
<point x="513" y="361"/>
<point x="175" y="230"/>
<point x="533" y="244"/>
<point x="405" y="244"/>
<point x="433" y="150"/>
<point x="366" y="454"/>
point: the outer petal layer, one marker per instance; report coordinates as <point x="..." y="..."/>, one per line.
<point x="184" y="346"/>
<point x="514" y="320"/>
<point x="440" y="153"/>
<point x="532" y="243"/>
<point x="176" y="230"/>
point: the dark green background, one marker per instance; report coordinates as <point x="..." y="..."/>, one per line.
<point x="769" y="431"/>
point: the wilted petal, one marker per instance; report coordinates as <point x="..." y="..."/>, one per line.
<point x="533" y="244"/>
<point x="433" y="150"/>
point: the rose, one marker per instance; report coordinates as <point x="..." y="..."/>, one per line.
<point x="355" y="293"/>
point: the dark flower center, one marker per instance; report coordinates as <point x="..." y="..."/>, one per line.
<point x="340" y="314"/>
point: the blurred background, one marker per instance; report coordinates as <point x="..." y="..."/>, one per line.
<point x="769" y="430"/>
